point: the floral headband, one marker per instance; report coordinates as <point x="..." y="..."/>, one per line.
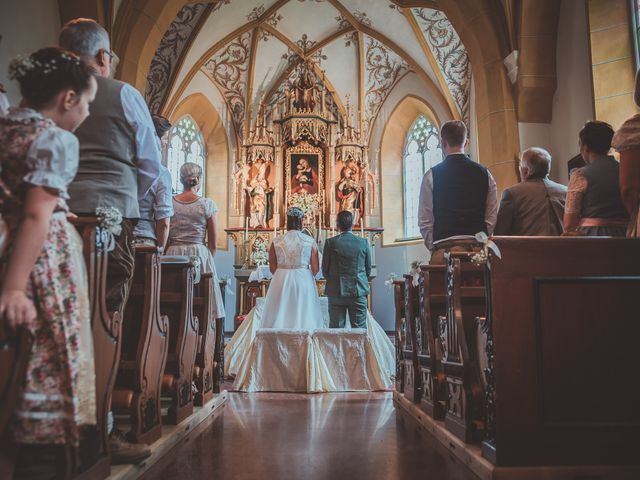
<point x="295" y="212"/>
<point x="21" y="65"/>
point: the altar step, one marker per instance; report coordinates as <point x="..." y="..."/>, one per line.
<point x="164" y="450"/>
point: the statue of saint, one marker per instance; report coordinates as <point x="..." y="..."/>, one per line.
<point x="304" y="93"/>
<point x="258" y="189"/>
<point x="349" y="192"/>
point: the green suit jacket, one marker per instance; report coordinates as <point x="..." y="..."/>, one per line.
<point x="346" y="265"/>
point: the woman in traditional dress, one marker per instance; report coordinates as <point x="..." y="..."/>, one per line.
<point x="627" y="142"/>
<point x="42" y="269"/>
<point x="193" y="227"/>
<point x="593" y="206"/>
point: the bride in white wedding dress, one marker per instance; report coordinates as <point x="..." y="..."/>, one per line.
<point x="284" y="343"/>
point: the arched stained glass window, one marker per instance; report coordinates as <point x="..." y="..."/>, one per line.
<point x="421" y="152"/>
<point x="185" y="144"/>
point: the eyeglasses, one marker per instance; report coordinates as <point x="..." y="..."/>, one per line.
<point x="109" y="53"/>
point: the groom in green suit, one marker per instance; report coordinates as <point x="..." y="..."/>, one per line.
<point x="346" y="265"/>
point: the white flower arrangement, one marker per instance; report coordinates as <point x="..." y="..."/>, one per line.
<point x="390" y="279"/>
<point x="482" y="257"/>
<point x="260" y="255"/>
<point x="307" y="202"/>
<point x="415" y="272"/>
<point x="110" y="219"/>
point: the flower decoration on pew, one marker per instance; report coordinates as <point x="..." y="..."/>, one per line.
<point x="415" y="272"/>
<point x="110" y="219"/>
<point x="482" y="257"/>
<point x="390" y="279"/>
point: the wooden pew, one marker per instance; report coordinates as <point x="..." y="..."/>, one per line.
<point x="14" y="353"/>
<point x="458" y="337"/>
<point x="144" y="350"/>
<point x="411" y="341"/>
<point x="203" y="308"/>
<point x="563" y="377"/>
<point x="179" y="275"/>
<point x="433" y="303"/>
<point x="97" y="243"/>
<point x="398" y="298"/>
<point x="218" y="356"/>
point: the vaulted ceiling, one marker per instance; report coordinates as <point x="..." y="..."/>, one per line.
<point x="360" y="49"/>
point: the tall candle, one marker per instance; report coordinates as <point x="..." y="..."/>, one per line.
<point x="246" y="228"/>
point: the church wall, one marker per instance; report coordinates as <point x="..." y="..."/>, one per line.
<point x="573" y="99"/>
<point x="25" y="26"/>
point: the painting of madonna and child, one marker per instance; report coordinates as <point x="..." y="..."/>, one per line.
<point x="304" y="173"/>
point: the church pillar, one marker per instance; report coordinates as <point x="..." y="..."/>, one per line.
<point x="498" y="143"/>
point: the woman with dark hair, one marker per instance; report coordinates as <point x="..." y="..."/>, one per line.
<point x="43" y="274"/>
<point x="593" y="206"/>
<point x="193" y="227"/>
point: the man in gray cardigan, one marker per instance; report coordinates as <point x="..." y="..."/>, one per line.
<point x="119" y="151"/>
<point x="535" y="206"/>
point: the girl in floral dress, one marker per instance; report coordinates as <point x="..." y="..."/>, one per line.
<point x="42" y="277"/>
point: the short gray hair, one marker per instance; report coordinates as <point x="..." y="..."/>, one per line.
<point x="190" y="173"/>
<point x="538" y="161"/>
<point x="84" y="37"/>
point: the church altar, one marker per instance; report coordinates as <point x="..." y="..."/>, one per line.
<point x="321" y="360"/>
<point x="303" y="151"/>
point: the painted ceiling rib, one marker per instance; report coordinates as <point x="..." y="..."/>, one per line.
<point x="396" y="48"/>
<point x="326" y="41"/>
<point x="444" y="87"/>
<point x="248" y="109"/>
<point x="218" y="45"/>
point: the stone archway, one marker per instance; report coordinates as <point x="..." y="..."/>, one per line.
<point x="213" y="133"/>
<point x="138" y="29"/>
<point x="392" y="145"/>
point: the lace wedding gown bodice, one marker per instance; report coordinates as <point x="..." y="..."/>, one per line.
<point x="293" y="250"/>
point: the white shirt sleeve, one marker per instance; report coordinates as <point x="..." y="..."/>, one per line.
<point x="4" y="104"/>
<point x="491" y="210"/>
<point x="147" y="152"/>
<point x="425" y="209"/>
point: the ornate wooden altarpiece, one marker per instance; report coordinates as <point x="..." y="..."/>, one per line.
<point x="302" y="155"/>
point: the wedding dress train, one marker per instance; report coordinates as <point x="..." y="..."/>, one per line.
<point x="284" y="343"/>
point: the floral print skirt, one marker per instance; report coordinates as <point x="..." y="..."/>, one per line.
<point x="59" y="390"/>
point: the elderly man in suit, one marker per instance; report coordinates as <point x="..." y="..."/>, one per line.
<point x="346" y="265"/>
<point x="535" y="206"/>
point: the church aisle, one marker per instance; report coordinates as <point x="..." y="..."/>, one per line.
<point x="329" y="436"/>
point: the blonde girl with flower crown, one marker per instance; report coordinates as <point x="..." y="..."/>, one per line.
<point x="42" y="277"/>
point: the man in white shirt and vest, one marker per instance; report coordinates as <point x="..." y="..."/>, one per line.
<point x="458" y="196"/>
<point x="119" y="163"/>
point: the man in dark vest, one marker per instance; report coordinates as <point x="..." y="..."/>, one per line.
<point x="119" y="163"/>
<point x="458" y="196"/>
